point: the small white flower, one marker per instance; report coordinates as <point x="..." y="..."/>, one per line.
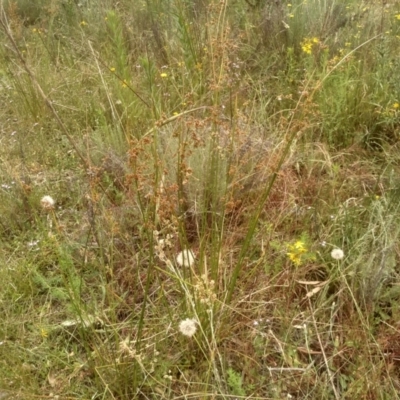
<point x="337" y="254"/>
<point x="185" y="258"/>
<point x="188" y="327"/>
<point x="47" y="202"/>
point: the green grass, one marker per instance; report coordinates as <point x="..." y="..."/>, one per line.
<point x="257" y="137"/>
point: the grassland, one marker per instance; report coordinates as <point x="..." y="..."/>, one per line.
<point x="199" y="199"/>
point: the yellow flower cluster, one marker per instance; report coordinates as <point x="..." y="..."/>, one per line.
<point x="296" y="252"/>
<point x="308" y="43"/>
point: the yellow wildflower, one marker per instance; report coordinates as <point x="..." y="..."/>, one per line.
<point x="396" y="105"/>
<point x="44" y="333"/>
<point x="164" y="75"/>
<point x="83" y="23"/>
<point x="294" y="258"/>
<point x="299" y="246"/>
<point x="397" y="16"/>
<point x="296" y="252"/>
<point x="308" y="43"/>
<point x="306" y="48"/>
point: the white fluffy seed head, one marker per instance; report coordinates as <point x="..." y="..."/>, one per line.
<point x="337" y="254"/>
<point x="185" y="258"/>
<point x="47" y="202"/>
<point x="188" y="327"/>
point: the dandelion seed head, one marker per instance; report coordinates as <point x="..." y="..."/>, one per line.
<point x="337" y="254"/>
<point x="188" y="327"/>
<point x="47" y="202"/>
<point x="185" y="258"/>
